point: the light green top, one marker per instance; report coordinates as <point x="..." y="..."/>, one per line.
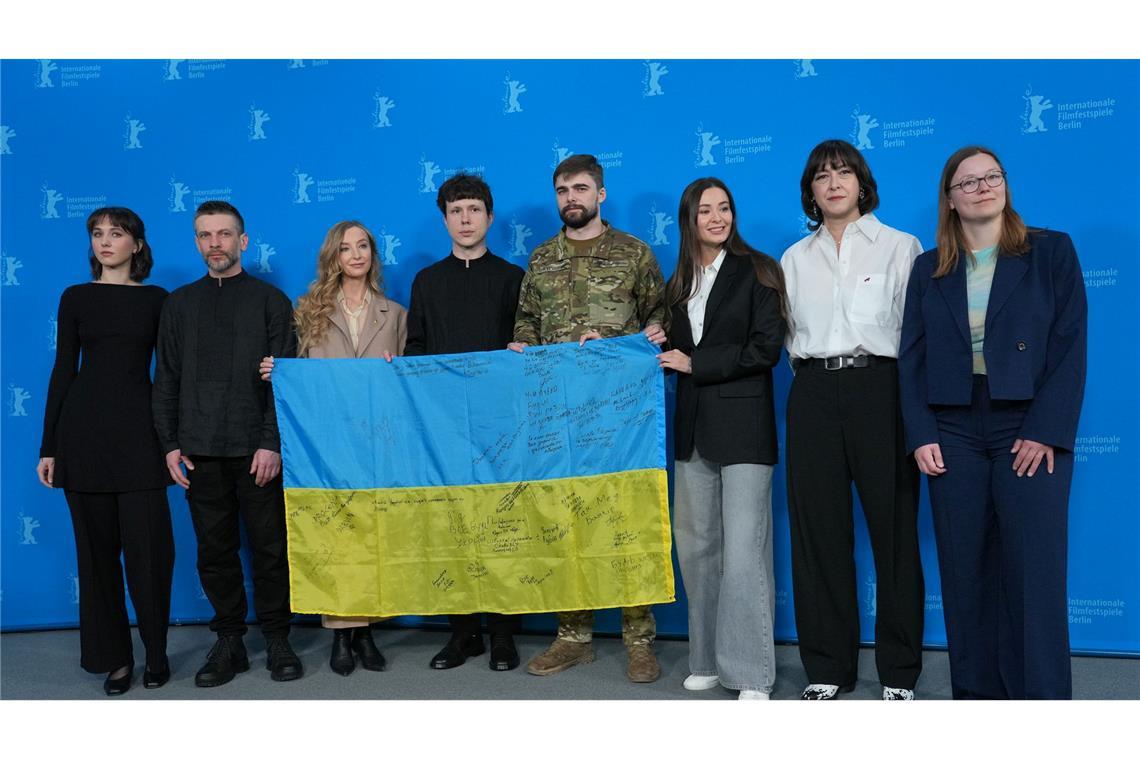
<point x="979" y="277"/>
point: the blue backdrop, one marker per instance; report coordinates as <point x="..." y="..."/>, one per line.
<point x="298" y="145"/>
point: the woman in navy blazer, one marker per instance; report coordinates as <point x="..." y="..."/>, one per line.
<point x="992" y="374"/>
<point x="727" y="312"/>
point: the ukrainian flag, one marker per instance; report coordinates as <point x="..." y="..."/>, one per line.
<point x="482" y="482"/>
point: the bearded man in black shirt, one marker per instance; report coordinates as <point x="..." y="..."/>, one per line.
<point x="216" y="422"/>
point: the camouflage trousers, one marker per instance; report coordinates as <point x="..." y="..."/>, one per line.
<point x="637" y="625"/>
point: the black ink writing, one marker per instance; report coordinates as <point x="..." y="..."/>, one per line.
<point x="442" y="582"/>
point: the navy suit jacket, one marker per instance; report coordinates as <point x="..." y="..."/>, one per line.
<point x="1035" y="341"/>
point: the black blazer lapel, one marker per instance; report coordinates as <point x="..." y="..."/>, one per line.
<point x="729" y="269"/>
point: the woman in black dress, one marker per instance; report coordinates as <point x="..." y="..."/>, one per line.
<point x="99" y="445"/>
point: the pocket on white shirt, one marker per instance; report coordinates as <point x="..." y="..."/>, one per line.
<point x="873" y="300"/>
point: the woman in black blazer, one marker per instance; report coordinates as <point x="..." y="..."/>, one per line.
<point x="727" y="308"/>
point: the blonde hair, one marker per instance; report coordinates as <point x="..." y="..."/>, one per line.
<point x="313" y="314"/>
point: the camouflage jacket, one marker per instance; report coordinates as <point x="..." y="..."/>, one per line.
<point x="615" y="288"/>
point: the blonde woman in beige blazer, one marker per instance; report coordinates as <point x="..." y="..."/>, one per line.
<point x="382" y="332"/>
<point x="345" y="315"/>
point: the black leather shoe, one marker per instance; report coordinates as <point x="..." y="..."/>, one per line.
<point x="282" y="662"/>
<point x="114" y="687"/>
<point x="341" y="661"/>
<point x="225" y="660"/>
<point x="154" y="679"/>
<point x="456" y="652"/>
<point x="365" y="648"/>
<point x="504" y="656"/>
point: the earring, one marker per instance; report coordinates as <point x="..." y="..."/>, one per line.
<point x="814" y="209"/>
<point x="862" y="193"/>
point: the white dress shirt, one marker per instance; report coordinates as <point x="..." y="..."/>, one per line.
<point x="850" y="303"/>
<point x="701" y="289"/>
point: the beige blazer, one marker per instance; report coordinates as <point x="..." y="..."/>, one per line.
<point x="385" y="328"/>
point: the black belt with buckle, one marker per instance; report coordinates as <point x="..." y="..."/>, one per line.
<point x="843" y="362"/>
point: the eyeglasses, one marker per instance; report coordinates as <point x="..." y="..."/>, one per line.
<point x="971" y="184"/>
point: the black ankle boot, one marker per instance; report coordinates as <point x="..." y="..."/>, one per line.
<point x="341" y="660"/>
<point x="365" y="648"/>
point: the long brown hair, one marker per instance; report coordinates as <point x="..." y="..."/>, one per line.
<point x="951" y="241"/>
<point x="315" y="308"/>
<point x="680" y="286"/>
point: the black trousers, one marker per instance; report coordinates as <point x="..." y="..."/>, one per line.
<point x="468" y="625"/>
<point x="843" y="426"/>
<point x="221" y="488"/>
<point x="135" y="525"/>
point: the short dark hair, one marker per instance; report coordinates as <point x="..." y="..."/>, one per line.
<point x="129" y="222"/>
<point x="578" y="163"/>
<point x="462" y="187"/>
<point x="221" y="207"/>
<point x="837" y="153"/>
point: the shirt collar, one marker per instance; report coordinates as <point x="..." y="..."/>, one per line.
<point x="717" y="263"/>
<point x="367" y="296"/>
<point x="606" y="227"/>
<point x="867" y="224"/>
<point x="223" y="281"/>
<point x="465" y="263"/>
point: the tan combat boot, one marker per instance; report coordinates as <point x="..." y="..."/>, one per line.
<point x="560" y="656"/>
<point x="643" y="667"/>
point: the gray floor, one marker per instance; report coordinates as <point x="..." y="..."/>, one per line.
<point x="45" y="665"/>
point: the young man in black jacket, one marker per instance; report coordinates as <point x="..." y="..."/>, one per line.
<point x="467" y="302"/>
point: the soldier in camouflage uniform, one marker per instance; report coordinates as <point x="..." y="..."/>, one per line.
<point x="591" y="281"/>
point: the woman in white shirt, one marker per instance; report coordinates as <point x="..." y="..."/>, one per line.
<point x="846" y="286"/>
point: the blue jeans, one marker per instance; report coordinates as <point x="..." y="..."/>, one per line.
<point x="723" y="525"/>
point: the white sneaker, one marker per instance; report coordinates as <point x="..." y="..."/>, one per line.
<point x="891" y="694"/>
<point x="701" y="683"/>
<point x="753" y="694"/>
<point x="820" y="691"/>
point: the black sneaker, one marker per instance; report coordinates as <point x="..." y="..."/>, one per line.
<point x="281" y="661"/>
<point x="225" y="660"/>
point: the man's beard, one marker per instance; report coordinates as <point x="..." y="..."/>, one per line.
<point x="578" y="222"/>
<point x="221" y="266"/>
